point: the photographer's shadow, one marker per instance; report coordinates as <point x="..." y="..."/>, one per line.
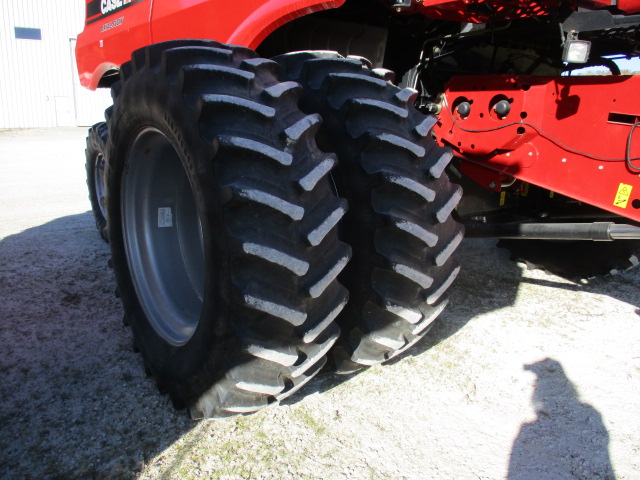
<point x="567" y="439"/>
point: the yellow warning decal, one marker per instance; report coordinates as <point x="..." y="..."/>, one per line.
<point x="622" y="197"/>
<point x="503" y="198"/>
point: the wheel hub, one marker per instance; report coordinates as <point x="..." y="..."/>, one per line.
<point x="163" y="237"/>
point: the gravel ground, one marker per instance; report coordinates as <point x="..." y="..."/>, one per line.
<point x="527" y="375"/>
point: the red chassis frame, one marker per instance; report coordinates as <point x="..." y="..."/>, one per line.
<point x="570" y="135"/>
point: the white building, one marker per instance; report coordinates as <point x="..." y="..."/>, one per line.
<point x="39" y="84"/>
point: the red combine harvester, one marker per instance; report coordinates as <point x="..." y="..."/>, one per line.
<point x="281" y="182"/>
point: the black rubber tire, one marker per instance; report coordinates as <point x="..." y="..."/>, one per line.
<point x="95" y="167"/>
<point x="267" y="219"/>
<point x="399" y="223"/>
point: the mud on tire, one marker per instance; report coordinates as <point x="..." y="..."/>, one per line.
<point x="95" y="168"/>
<point x="399" y="222"/>
<point x="222" y="226"/>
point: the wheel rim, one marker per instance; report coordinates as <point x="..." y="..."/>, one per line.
<point x="99" y="184"/>
<point x="163" y="237"/>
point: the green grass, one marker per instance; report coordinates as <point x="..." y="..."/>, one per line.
<point x="306" y="418"/>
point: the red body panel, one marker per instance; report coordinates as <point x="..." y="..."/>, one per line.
<point x="626" y="6"/>
<point x="475" y="11"/>
<point x="566" y="134"/>
<point x="244" y="23"/>
<point x="108" y="39"/>
<point x="115" y="28"/>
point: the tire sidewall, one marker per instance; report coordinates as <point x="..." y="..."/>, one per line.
<point x="159" y="106"/>
<point x="96" y="145"/>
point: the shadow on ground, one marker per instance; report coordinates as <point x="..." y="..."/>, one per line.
<point x="583" y="451"/>
<point x="490" y="281"/>
<point x="74" y="398"/>
<point x="575" y="259"/>
<point x="73" y="395"/>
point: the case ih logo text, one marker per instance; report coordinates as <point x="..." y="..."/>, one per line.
<point x="99" y="9"/>
<point x="107" y="6"/>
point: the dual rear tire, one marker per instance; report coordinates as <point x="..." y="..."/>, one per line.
<point x="229" y="242"/>
<point x="399" y="222"/>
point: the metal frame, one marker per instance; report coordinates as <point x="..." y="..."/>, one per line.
<point x="570" y="135"/>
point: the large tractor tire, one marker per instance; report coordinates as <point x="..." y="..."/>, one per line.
<point x="95" y="167"/>
<point x="399" y="222"/>
<point x="222" y="226"/>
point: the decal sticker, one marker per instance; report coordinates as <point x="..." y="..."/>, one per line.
<point x="623" y="195"/>
<point x="165" y="217"/>
<point x="100" y="9"/>
<point x="110" y="25"/>
<point x="503" y="198"/>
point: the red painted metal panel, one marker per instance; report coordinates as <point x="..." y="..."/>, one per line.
<point x="629" y="6"/>
<point x="626" y="6"/>
<point x="112" y="31"/>
<point x="479" y="11"/>
<point x="242" y="23"/>
<point x="114" y="28"/>
<point x="566" y="134"/>
<point x="109" y="38"/>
